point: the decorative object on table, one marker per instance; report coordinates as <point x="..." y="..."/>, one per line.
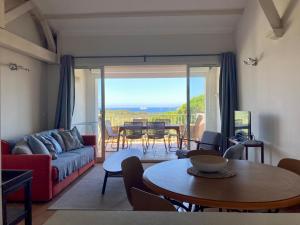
<point x="224" y="173"/>
<point x="12" y="181"/>
<point x="208" y="163"/>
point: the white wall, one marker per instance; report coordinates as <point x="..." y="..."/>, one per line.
<point x="136" y="45"/>
<point x="271" y="90"/>
<point x="23" y="94"/>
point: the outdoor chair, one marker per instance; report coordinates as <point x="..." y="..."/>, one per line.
<point x="209" y="142"/>
<point x="144" y="201"/>
<point x="144" y="121"/>
<point x="134" y="131"/>
<point x="197" y="131"/>
<point x="170" y="135"/>
<point x="110" y="135"/>
<point x="156" y="131"/>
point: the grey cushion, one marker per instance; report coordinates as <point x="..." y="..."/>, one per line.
<point x="49" y="145"/>
<point x="75" y="132"/>
<point x="211" y="138"/>
<point x="59" y="139"/>
<point x="234" y="152"/>
<point x="71" y="141"/>
<point x="36" y="146"/>
<point x="68" y="162"/>
<point x="21" y="148"/>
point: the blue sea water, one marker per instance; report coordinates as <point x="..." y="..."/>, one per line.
<point x="145" y="109"/>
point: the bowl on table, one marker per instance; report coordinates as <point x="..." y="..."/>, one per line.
<point x="208" y="163"/>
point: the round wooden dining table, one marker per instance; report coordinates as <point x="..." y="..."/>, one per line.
<point x="255" y="186"/>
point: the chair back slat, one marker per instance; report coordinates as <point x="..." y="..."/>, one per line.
<point x="156" y="129"/>
<point x="133" y="129"/>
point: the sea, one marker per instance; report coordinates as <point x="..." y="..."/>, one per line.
<point x="145" y="109"/>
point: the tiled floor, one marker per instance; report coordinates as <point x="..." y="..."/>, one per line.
<point x="156" y="154"/>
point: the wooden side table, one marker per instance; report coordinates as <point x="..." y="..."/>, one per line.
<point x="12" y="181"/>
<point x="251" y="144"/>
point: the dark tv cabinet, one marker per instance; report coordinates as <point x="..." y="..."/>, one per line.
<point x="12" y="181"/>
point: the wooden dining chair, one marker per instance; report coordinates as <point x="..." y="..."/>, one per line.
<point x="145" y="201"/>
<point x="132" y="172"/>
<point x="292" y="165"/>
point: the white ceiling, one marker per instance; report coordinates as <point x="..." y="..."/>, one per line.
<point x="125" y="17"/>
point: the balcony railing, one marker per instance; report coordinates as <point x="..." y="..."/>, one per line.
<point x="175" y="118"/>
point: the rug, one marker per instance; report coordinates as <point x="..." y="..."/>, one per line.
<point x="86" y="193"/>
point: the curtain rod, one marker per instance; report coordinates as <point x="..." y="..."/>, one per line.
<point x="145" y="56"/>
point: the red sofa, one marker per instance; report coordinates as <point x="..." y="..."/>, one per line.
<point x="44" y="184"/>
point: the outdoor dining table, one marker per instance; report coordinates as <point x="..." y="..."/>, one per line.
<point x="175" y="127"/>
<point x="255" y="186"/>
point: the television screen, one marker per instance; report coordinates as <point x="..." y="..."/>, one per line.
<point x="242" y="123"/>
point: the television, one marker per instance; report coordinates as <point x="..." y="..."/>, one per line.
<point x="242" y="124"/>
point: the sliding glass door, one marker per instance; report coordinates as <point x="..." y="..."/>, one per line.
<point x="202" y="98"/>
<point x="89" y="108"/>
<point x="181" y="95"/>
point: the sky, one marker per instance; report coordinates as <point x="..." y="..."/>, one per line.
<point x="149" y="92"/>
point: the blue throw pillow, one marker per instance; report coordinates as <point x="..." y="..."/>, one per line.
<point x="49" y="145"/>
<point x="36" y="146"/>
<point x="56" y="145"/>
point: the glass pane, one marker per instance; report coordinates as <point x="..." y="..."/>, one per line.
<point x="145" y="94"/>
<point x="204" y="109"/>
<point x="85" y="115"/>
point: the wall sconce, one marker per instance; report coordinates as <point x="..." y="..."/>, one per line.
<point x="251" y="62"/>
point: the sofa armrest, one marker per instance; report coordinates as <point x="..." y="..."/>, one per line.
<point x="90" y="140"/>
<point x="41" y="172"/>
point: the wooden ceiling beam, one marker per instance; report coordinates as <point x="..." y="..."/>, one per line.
<point x="14" y="42"/>
<point x="18" y="11"/>
<point x="2" y="14"/>
<point x="36" y="12"/>
<point x="273" y="16"/>
<point x="214" y="12"/>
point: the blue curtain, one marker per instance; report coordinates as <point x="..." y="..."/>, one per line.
<point x="66" y="94"/>
<point x="227" y="96"/>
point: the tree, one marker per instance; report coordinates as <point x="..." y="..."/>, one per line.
<point x="197" y="105"/>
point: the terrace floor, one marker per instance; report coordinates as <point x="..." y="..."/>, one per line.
<point x="156" y="154"/>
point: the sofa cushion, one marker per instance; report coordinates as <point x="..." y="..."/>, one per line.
<point x="50" y="143"/>
<point x="71" y="141"/>
<point x="36" y="146"/>
<point x="87" y="154"/>
<point x="59" y="139"/>
<point x="21" y="148"/>
<point x="76" y="133"/>
<point x="66" y="163"/>
<point x="69" y="162"/>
